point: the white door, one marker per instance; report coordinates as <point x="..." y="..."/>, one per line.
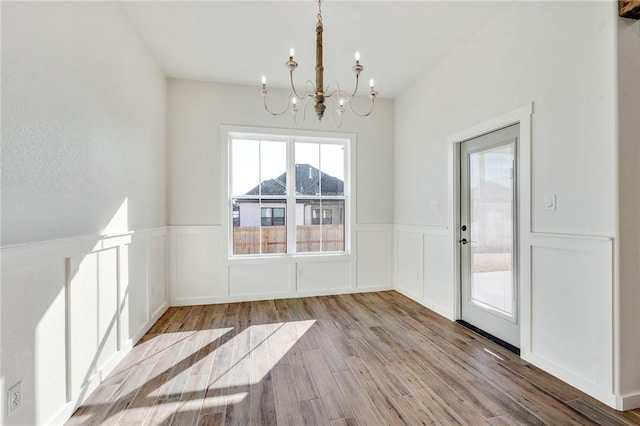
<point x="488" y="234"/>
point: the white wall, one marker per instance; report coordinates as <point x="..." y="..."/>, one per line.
<point x="200" y="271"/>
<point x="83" y="154"/>
<point x="561" y="56"/>
<point x="629" y="205"/>
<point x="83" y="112"/>
<point x="196" y="111"/>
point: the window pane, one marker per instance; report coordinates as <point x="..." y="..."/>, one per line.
<point x="308" y="229"/>
<point x="307" y="168"/>
<point x="315" y="216"/>
<point x="265" y="216"/>
<point x="320" y="225"/>
<point x="245" y="162"/>
<point x="332" y="225"/>
<point x="246" y="227"/>
<point x="278" y="216"/>
<point x="332" y="169"/>
<point x="274" y="235"/>
<point x="273" y="168"/>
<point x="256" y="229"/>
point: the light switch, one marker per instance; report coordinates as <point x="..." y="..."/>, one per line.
<point x="550" y="202"/>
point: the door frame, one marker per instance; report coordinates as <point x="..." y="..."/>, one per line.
<point x="522" y="116"/>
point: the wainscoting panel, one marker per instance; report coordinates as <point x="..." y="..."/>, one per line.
<point x="134" y="288"/>
<point x="571" y="322"/>
<point x="424" y="266"/>
<point x="196" y="265"/>
<point x="374" y="245"/>
<point x="33" y="331"/>
<point x="71" y="309"/>
<point x="410" y="264"/>
<point x="157" y="270"/>
<point x="201" y="272"/>
<point x="438" y="267"/>
<point x="323" y="277"/>
<point x="263" y="278"/>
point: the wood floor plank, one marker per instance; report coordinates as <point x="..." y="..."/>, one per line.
<point x="414" y="413"/>
<point x="313" y="413"/>
<point x="214" y="419"/>
<point x="162" y="412"/>
<point x="302" y="378"/>
<point x="93" y="405"/>
<point x="121" y="398"/>
<point x="360" y="405"/>
<point x="217" y="395"/>
<point x="286" y="398"/>
<point x="594" y="413"/>
<point x="190" y="403"/>
<point x="359" y="359"/>
<point x="504" y="420"/>
<point x="332" y="397"/>
<point x="541" y="404"/>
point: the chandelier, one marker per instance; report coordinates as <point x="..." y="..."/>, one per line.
<point x="332" y="96"/>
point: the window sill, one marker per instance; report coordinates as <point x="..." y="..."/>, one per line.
<point x="287" y="258"/>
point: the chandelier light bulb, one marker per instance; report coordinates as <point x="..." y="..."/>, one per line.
<point x="341" y="102"/>
<point x="371" y="83"/>
<point x="291" y="52"/>
<point x="357" y="55"/>
<point x="264" y="80"/>
<point x="293" y="101"/>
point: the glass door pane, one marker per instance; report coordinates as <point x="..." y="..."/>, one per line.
<point x="491" y="208"/>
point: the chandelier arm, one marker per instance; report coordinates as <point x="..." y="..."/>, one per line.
<point x="266" y="107"/>
<point x="293" y="88"/>
<point x="355" y="90"/>
<point x="337" y="90"/>
<point x="373" y="100"/>
<point x="304" y="114"/>
<point x="338" y="124"/>
<point x="309" y="85"/>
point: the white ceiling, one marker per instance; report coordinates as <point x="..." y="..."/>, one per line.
<point x="239" y="41"/>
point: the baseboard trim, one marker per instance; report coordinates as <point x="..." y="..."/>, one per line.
<point x="274" y="296"/>
<point x="628" y="402"/>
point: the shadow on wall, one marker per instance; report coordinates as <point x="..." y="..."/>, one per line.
<point x="71" y="308"/>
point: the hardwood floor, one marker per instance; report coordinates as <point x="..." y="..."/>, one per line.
<point x="363" y="359"/>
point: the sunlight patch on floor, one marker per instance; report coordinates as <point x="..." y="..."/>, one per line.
<point x="239" y="363"/>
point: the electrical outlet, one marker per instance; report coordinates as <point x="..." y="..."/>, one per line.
<point x="15" y="397"/>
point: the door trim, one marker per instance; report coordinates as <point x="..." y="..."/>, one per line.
<point x="521" y="115"/>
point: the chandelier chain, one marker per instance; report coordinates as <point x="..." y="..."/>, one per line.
<point x="319" y="11"/>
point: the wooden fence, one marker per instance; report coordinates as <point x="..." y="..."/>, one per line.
<point x="310" y="238"/>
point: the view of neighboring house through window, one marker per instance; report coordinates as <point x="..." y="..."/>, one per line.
<point x="324" y="216"/>
<point x="287" y="195"/>
<point x="272" y="216"/>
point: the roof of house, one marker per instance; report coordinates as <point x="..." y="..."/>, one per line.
<point x="309" y="181"/>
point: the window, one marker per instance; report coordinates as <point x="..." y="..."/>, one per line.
<point x="287" y="194"/>
<point x="327" y="215"/>
<point x="272" y="216"/>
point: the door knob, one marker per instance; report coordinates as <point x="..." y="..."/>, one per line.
<point x="463" y="241"/>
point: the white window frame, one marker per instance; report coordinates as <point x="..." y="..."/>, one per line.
<point x="228" y="133"/>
